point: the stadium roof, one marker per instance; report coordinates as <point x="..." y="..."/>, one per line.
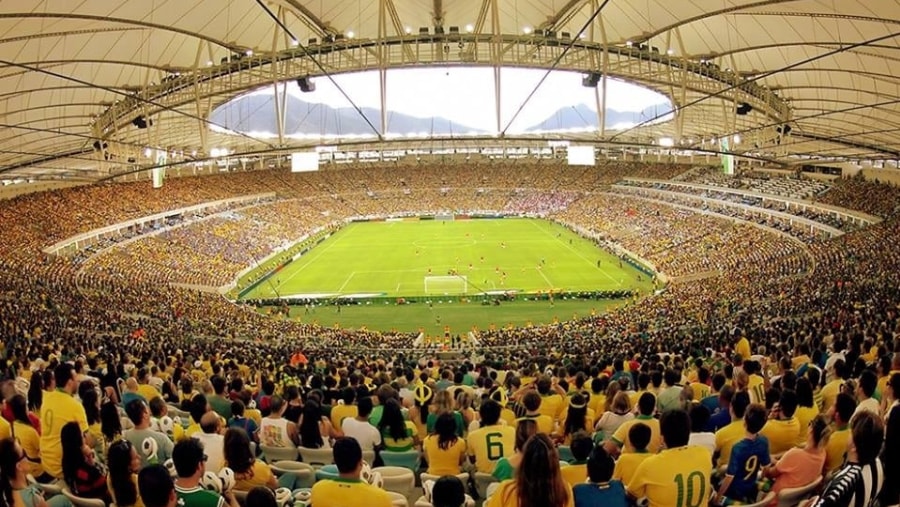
<point x="816" y="77"/>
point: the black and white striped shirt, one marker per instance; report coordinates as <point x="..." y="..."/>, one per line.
<point x="853" y="486"/>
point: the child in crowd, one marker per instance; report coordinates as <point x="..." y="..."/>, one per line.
<point x="748" y="456"/>
<point x="601" y="489"/>
<point x="639" y="436"/>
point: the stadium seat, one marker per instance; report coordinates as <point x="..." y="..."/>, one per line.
<point x="316" y="457"/>
<point x="565" y="453"/>
<point x="406" y="459"/>
<point x="397" y="479"/>
<point x="463" y="477"/>
<point x="327" y="472"/>
<point x="792" y="496"/>
<point x="482" y="482"/>
<point x="273" y="454"/>
<point x="294" y="474"/>
<point x="398" y="500"/>
<point x="77" y="501"/>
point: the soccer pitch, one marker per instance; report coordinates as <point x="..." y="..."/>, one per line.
<point x="488" y="255"/>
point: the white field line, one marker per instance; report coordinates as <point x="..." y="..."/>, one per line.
<point x="341" y="289"/>
<point x="576" y="252"/>
<point x="311" y="261"/>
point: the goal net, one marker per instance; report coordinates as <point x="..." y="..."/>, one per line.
<point x="441" y="285"/>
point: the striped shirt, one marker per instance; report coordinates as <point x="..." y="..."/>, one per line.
<point x="853" y="486"/>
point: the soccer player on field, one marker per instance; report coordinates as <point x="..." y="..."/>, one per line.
<point x="679" y="476"/>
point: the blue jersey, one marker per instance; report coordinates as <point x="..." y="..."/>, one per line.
<point x="747" y="457"/>
<point x="611" y="494"/>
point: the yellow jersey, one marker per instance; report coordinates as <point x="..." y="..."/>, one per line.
<point x="620" y="437"/>
<point x="258" y="475"/>
<point x="507" y="496"/>
<point x="804" y="415"/>
<point x="148" y="392"/>
<point x="489" y="444"/>
<point x="509" y="416"/>
<point x="830" y="393"/>
<point x="443" y="461"/>
<point x="726" y="437"/>
<point x="757" y="389"/>
<point x="544" y="423"/>
<point x="553" y="406"/>
<point x="341" y="412"/>
<point x="30" y="441"/>
<point x="836" y="448"/>
<point x="348" y="493"/>
<point x="597" y="403"/>
<point x="700" y="390"/>
<point x="5" y="428"/>
<point x="627" y="464"/>
<point x="678" y="477"/>
<point x="58" y="408"/>
<point x="782" y="434"/>
<point x="742" y="347"/>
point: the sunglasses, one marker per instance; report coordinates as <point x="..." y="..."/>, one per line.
<point x="204" y="459"/>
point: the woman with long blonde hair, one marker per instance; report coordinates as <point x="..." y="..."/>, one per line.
<point x="443" y="404"/>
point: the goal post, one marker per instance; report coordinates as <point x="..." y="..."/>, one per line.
<point x="446" y="285"/>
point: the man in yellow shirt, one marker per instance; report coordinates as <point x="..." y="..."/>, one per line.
<point x="783" y="431"/>
<point x="348" y="490"/>
<point x="577" y="472"/>
<point x="700" y="388"/>
<point x="59" y="408"/>
<point x="532" y="402"/>
<point x="831" y="389"/>
<point x="144" y="388"/>
<point x="492" y="440"/>
<point x="742" y="347"/>
<point x="732" y="433"/>
<point x="639" y="436"/>
<point x="619" y="442"/>
<point x="678" y="476"/>
<point x="839" y="441"/>
<point x="344" y="410"/>
<point x="553" y="398"/>
<point x="756" y="383"/>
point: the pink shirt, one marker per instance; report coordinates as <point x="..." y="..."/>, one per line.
<point x="798" y="468"/>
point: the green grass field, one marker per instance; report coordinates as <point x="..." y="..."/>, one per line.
<point x="394" y="258"/>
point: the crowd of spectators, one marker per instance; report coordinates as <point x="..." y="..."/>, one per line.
<point x="823" y="320"/>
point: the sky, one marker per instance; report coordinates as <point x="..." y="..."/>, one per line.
<point x="466" y="94"/>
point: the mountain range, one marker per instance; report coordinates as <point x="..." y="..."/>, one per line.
<point x="256" y="113"/>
